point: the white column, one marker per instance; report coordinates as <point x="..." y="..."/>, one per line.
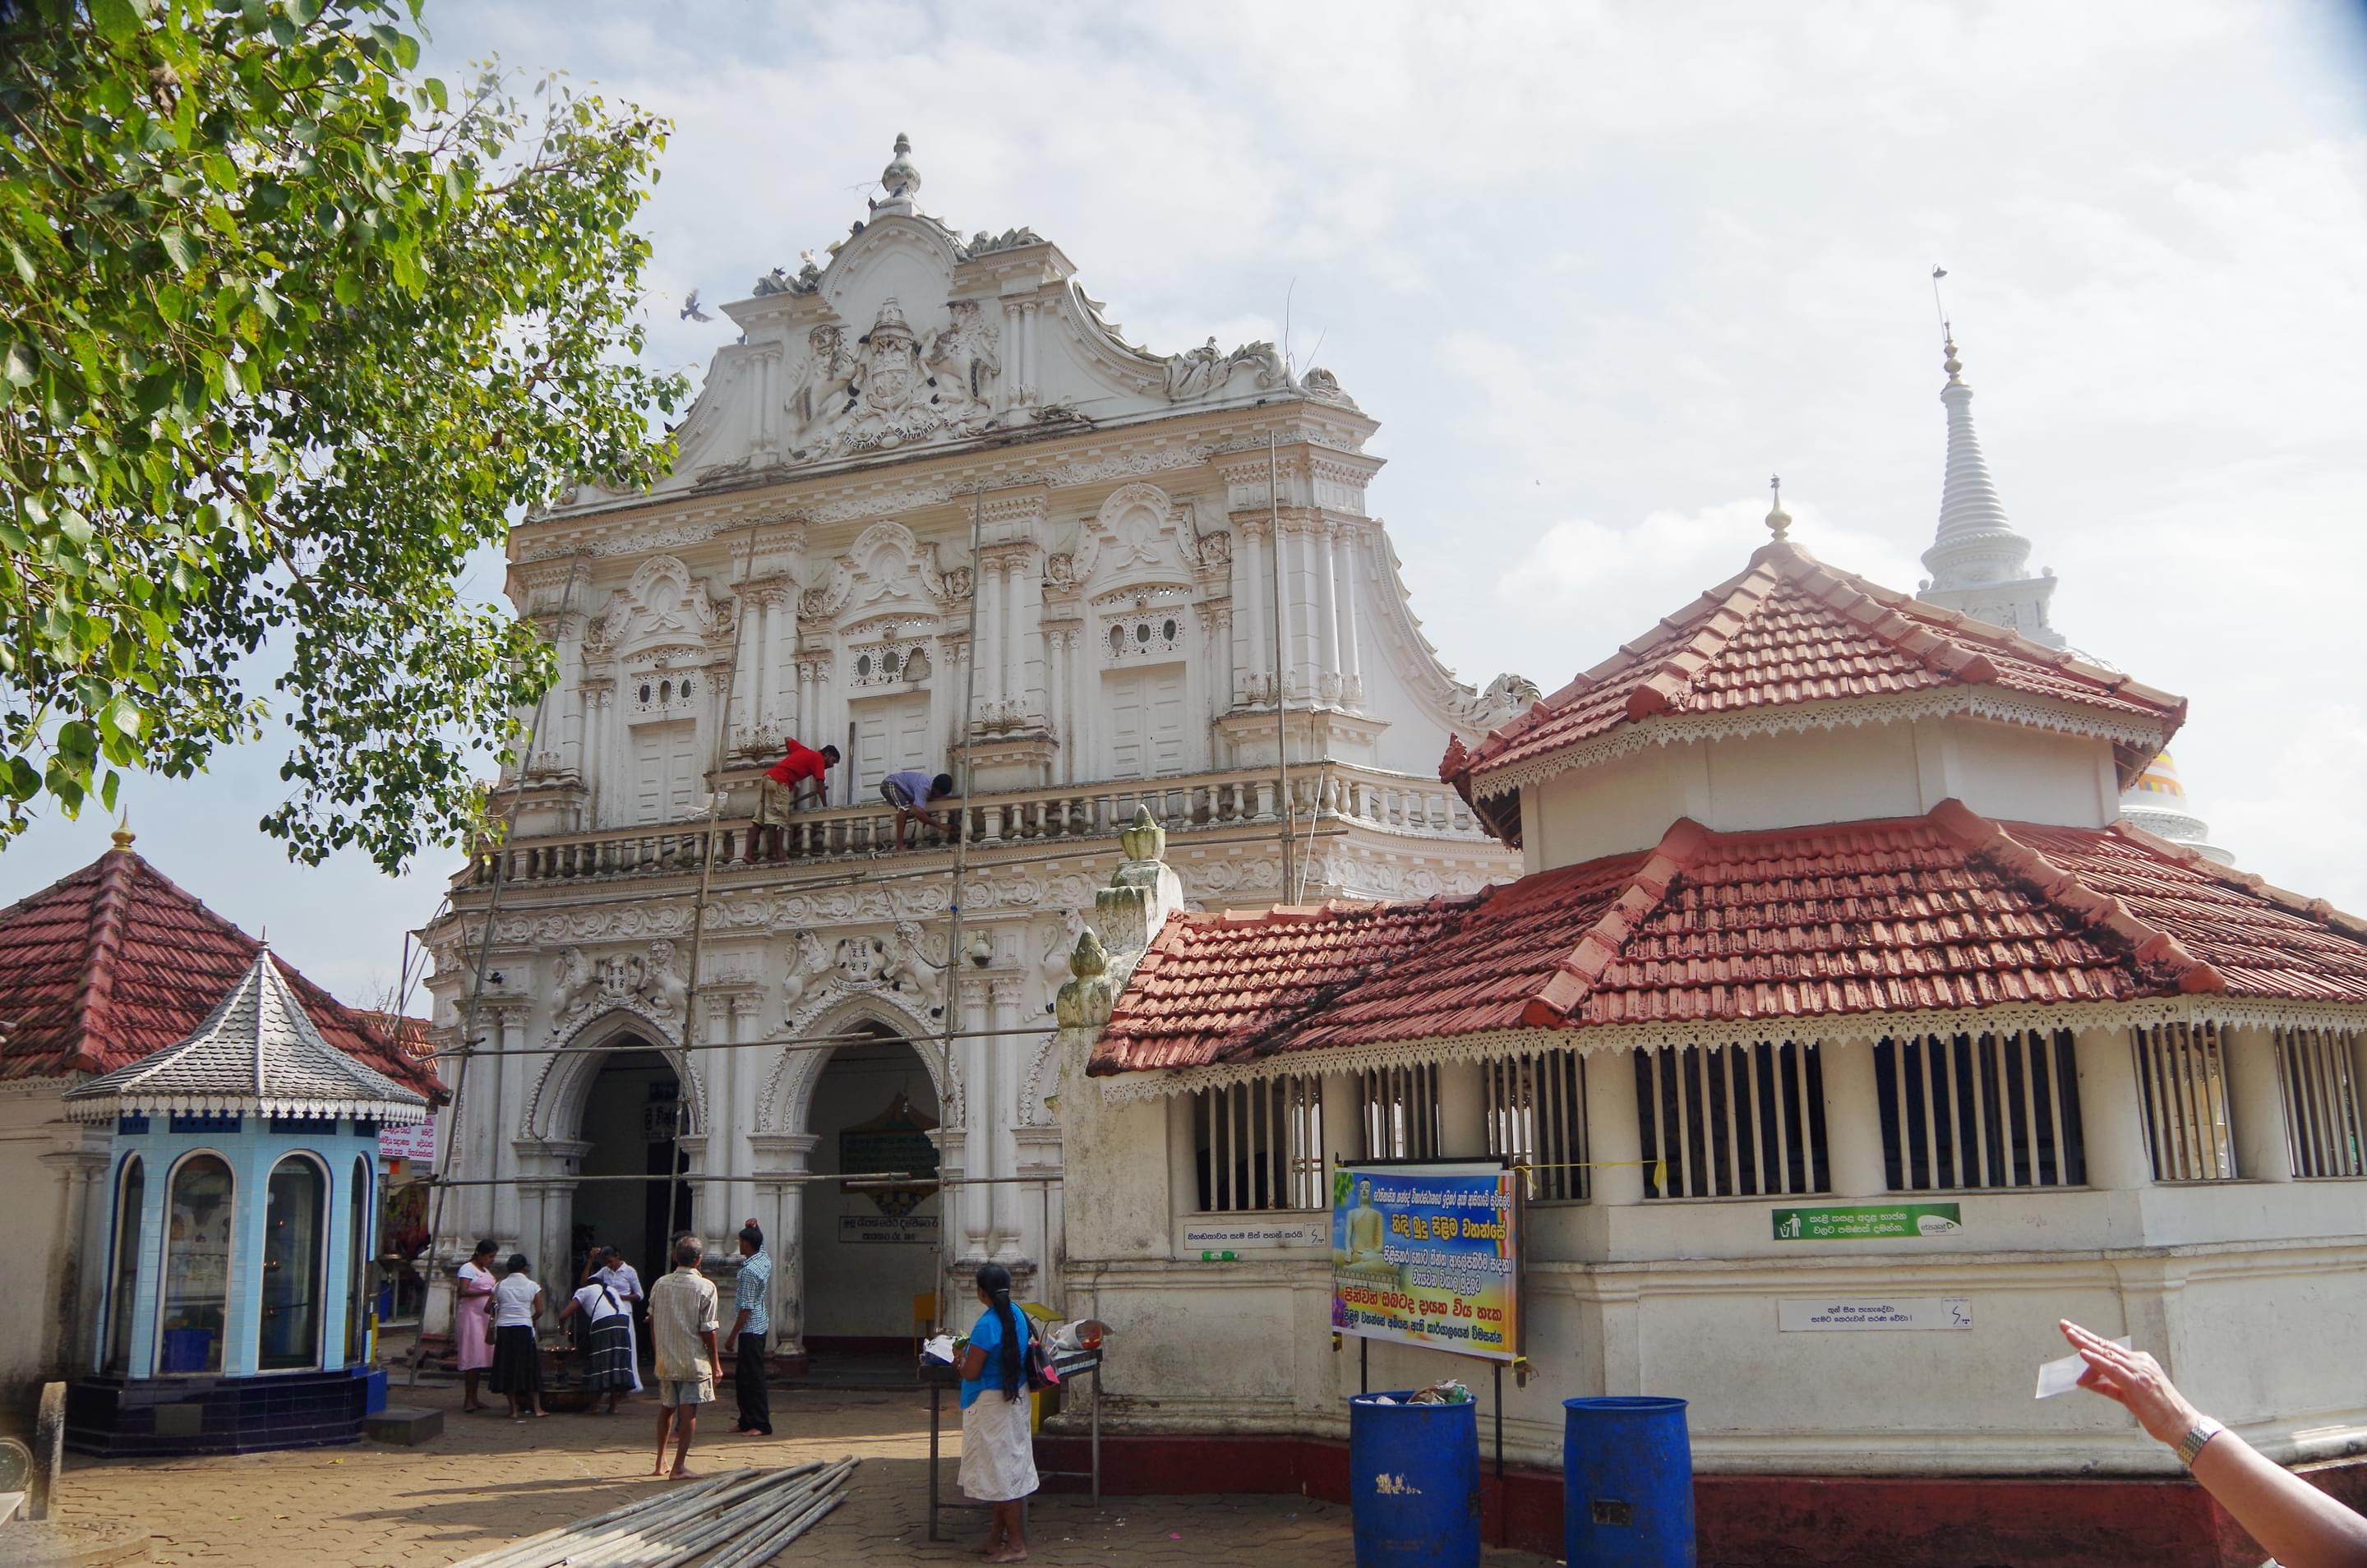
<point x="1614" y="1142"/>
<point x="971" y="1212"/>
<point x="1014" y="632"/>
<point x="505" y="1031"/>
<point x="1005" y="1050"/>
<point x="1027" y="621"/>
<point x="1055" y="702"/>
<point x="1327" y="612"/>
<point x="1852" y="1120"/>
<point x="747" y="667"/>
<point x="2111" y="1124"/>
<point x="1351" y="672"/>
<point x="2256" y="1106"/>
<point x="1462" y="1112"/>
<point x="988" y="585"/>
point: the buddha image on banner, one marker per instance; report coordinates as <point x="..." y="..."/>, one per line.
<point x="1428" y="1255"/>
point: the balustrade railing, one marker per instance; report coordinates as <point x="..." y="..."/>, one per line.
<point x="1335" y="792"/>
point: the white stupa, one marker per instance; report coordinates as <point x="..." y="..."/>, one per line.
<point x="1980" y="565"/>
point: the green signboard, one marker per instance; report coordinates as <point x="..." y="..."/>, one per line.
<point x="1874" y="1223"/>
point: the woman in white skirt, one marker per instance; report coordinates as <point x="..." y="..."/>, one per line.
<point x="998" y="1456"/>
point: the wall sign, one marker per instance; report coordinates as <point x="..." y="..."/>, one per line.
<point x="1428" y="1255"/>
<point x="906" y="1230"/>
<point x="1825" y="1315"/>
<point x="1232" y="1233"/>
<point x="1874" y="1223"/>
<point x="416" y="1142"/>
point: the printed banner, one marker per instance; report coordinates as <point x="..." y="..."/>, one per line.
<point x="1428" y="1255"/>
<point x="415" y="1142"/>
<point x="1869" y="1224"/>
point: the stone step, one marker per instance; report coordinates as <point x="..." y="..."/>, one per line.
<point x="409" y="1424"/>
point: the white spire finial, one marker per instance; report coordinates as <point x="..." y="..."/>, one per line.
<point x="900" y="178"/>
<point x="1779" y="522"/>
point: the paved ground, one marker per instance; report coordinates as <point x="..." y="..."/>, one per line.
<point x="487" y="1480"/>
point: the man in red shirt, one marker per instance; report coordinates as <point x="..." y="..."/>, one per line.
<point x="788" y="782"/>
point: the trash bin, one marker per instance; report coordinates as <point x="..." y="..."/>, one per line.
<point x="1413" y="1481"/>
<point x="1628" y="1484"/>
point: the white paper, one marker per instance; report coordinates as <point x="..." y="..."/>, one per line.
<point x="941" y="1347"/>
<point x="2063" y="1376"/>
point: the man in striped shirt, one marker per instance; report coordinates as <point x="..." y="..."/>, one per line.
<point x="748" y="1332"/>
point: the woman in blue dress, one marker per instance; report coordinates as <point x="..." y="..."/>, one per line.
<point x="998" y="1456"/>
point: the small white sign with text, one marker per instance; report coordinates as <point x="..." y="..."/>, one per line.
<point x="1228" y="1234"/>
<point x="1825" y="1315"/>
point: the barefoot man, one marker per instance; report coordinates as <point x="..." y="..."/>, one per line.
<point x="682" y="1326"/>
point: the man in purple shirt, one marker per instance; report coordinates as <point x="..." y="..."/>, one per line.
<point x="910" y="791"/>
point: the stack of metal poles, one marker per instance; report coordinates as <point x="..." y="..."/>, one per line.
<point x="737" y="1519"/>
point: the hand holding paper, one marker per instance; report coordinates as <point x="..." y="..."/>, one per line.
<point x="2063" y="1375"/>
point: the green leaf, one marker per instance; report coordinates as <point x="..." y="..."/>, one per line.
<point x="116" y="20"/>
<point x="24" y="263"/>
<point x="182" y="249"/>
<point x="19" y="365"/>
<point x="347" y="288"/>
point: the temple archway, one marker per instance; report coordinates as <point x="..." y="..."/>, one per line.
<point x="631" y="1123"/>
<point x="869" y="1250"/>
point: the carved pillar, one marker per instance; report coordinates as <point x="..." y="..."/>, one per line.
<point x="1056" y="694"/>
<point x="503" y="1022"/>
<point x="1345" y="544"/>
<point x="1026" y="576"/>
<point x="971" y="1212"/>
<point x="988" y="585"/>
<point x="76" y="1271"/>
<point x="590" y="758"/>
<point x="783" y="710"/>
<point x="1252" y="588"/>
<point x="1322" y="543"/>
<point x="735" y="1117"/>
<point x="747" y="669"/>
<point x="1009" y="1053"/>
<point x="779" y="1211"/>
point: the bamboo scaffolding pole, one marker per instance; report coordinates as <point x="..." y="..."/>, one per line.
<point x="518" y="1550"/>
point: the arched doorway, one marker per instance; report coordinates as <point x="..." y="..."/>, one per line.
<point x="868" y="1250"/>
<point x="632" y="1117"/>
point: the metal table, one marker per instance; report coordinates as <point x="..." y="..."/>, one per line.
<point x="940" y="1376"/>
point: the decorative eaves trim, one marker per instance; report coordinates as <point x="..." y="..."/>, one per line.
<point x="131" y="1102"/>
<point x="1670" y="729"/>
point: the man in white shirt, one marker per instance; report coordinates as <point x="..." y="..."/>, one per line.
<point x="607" y="1266"/>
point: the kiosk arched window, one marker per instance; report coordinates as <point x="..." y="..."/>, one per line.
<point x="196" y="1266"/>
<point x="358" y="1276"/>
<point x="295" y="1224"/>
<point x="122" y="1291"/>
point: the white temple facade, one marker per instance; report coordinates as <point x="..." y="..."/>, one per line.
<point x="1980" y="565"/>
<point x="1174" y="568"/>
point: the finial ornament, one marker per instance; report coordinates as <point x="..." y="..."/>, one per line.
<point x="1951" y="365"/>
<point x="122" y="834"/>
<point x="901" y="178"/>
<point x="1779" y="522"/>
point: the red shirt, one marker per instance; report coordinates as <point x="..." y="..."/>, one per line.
<point x="799" y="763"/>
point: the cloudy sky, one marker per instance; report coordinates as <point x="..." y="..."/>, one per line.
<point x="1600" y="270"/>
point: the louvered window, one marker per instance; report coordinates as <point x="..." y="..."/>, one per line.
<point x="1399" y="1107"/>
<point x="2316" y="1072"/>
<point x="1732" y="1122"/>
<point x="1536" y="1116"/>
<point x="1260" y="1145"/>
<point x="1975" y="1111"/>
<point x="2182" y="1093"/>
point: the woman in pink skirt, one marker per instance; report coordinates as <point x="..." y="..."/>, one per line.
<point x="471" y="1312"/>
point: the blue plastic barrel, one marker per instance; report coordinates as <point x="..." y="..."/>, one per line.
<point x="1628" y="1484"/>
<point x="1413" y="1481"/>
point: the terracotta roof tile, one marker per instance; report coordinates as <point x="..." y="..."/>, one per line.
<point x="1917" y="914"/>
<point x="114" y="962"/>
<point x="1787" y="630"/>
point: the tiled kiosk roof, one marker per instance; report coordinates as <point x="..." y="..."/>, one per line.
<point x="1790" y="631"/>
<point x="114" y="962"/>
<point x="255" y="1055"/>
<point x="1787" y="928"/>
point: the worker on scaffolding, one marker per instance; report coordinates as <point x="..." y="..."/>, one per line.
<point x="910" y="793"/>
<point x="801" y="772"/>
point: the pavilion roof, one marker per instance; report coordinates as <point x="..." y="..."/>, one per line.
<point x="256" y="1054"/>
<point x="1786" y="931"/>
<point x="115" y="961"/>
<point x="1789" y="631"/>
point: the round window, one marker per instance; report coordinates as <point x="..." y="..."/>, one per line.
<point x="890" y="661"/>
<point x="1117" y="639"/>
<point x="665" y="691"/>
<point x="1168" y="631"/>
<point x="1142" y="632"/>
<point x="686" y="685"/>
<point x="863" y="664"/>
<point x="645" y="691"/>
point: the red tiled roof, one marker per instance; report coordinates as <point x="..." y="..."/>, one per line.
<point x="1790" y="629"/>
<point x="114" y="962"/>
<point x="1910" y="915"/>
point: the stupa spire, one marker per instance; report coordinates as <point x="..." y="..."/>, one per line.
<point x="1978" y="564"/>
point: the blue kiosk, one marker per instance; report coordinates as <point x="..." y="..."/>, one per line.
<point x="245" y="1175"/>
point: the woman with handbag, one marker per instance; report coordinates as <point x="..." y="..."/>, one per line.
<point x="472" y="1322"/>
<point x="608" y="1341"/>
<point x="998" y="1454"/>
